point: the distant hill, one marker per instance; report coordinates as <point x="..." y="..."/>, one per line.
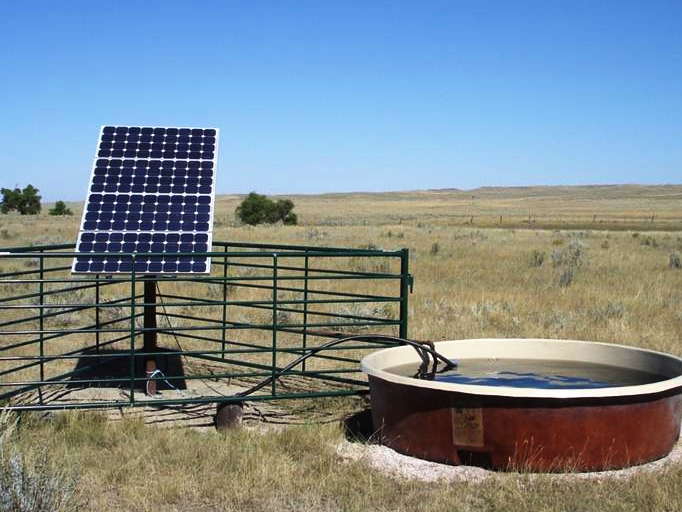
<point x="640" y="207"/>
<point x="576" y="191"/>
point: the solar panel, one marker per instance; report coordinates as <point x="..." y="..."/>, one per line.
<point x="152" y="190"/>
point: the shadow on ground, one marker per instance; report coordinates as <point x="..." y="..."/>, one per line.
<point x="112" y="369"/>
<point x="358" y="427"/>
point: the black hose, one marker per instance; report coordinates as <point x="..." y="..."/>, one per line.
<point x="422" y="348"/>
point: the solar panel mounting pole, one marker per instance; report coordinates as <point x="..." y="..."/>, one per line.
<point x="151" y="192"/>
<point x="149" y="335"/>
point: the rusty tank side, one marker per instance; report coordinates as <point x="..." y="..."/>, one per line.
<point x="529" y="429"/>
<point x="531" y="434"/>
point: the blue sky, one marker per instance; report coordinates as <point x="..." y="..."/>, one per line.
<point x="327" y="96"/>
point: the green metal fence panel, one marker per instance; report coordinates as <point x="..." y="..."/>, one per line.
<point x="89" y="341"/>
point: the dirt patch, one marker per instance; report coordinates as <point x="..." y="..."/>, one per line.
<point x="198" y="416"/>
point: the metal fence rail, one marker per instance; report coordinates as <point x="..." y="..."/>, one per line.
<point x="86" y="341"/>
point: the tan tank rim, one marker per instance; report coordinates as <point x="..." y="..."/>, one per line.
<point x="666" y="365"/>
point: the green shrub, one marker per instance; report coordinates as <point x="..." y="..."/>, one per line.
<point x="258" y="209"/>
<point x="60" y="209"/>
<point x="26" y="202"/>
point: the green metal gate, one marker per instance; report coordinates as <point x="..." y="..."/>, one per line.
<point x="92" y="341"/>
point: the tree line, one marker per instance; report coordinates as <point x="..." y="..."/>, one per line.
<point x="26" y="201"/>
<point x="254" y="209"/>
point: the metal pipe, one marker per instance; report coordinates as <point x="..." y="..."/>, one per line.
<point x="405" y="282"/>
<point x="305" y="305"/>
<point x="273" y="378"/>
<point x="224" y="333"/>
<point x="149" y="333"/>
<point x="41" y="327"/>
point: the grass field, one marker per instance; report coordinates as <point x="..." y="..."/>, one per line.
<point x="588" y="263"/>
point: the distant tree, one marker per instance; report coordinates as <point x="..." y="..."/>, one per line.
<point x="10" y="200"/>
<point x="254" y="209"/>
<point x="26" y="201"/>
<point x="60" y="209"/>
<point x="258" y="209"/>
<point x="284" y="208"/>
<point x="30" y="204"/>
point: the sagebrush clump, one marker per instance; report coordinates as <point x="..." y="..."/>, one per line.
<point x="31" y="484"/>
<point x="675" y="261"/>
<point x="537" y="259"/>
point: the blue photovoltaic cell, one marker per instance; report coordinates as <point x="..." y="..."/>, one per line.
<point x="152" y="191"/>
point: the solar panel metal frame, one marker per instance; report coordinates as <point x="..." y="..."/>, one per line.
<point x="211" y="210"/>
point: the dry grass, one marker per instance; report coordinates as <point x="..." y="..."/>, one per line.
<point x="127" y="466"/>
<point x="589" y="263"/>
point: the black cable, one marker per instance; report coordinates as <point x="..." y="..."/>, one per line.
<point x="177" y="342"/>
<point x="420" y="347"/>
<point x="424" y="349"/>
